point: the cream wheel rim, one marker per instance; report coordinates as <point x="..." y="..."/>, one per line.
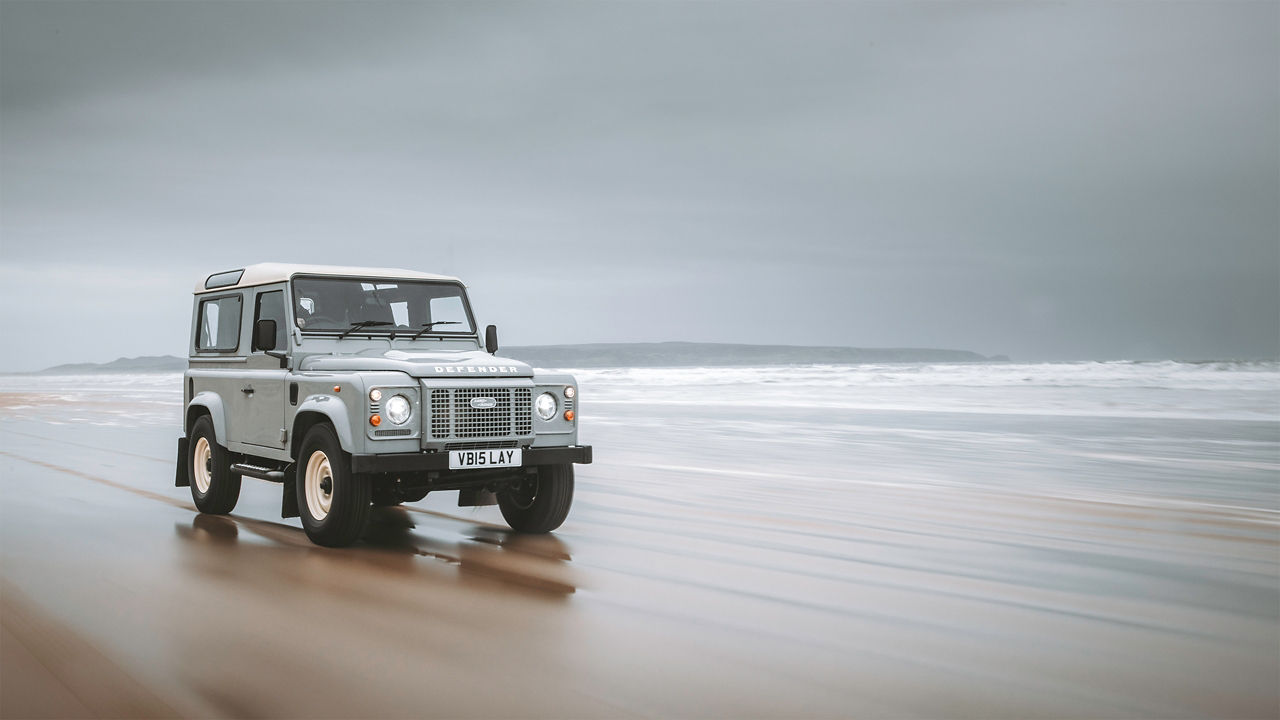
<point x="319" y="485"/>
<point x="202" y="465"/>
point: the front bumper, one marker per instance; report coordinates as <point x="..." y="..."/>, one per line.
<point x="439" y="461"/>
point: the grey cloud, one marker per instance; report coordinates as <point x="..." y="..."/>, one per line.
<point x="1068" y="180"/>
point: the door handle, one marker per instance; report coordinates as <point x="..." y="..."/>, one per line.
<point x="247" y="390"/>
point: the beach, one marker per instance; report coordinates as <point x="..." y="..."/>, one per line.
<point x="898" y="540"/>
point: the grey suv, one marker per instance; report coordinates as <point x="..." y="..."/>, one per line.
<point x="366" y="386"/>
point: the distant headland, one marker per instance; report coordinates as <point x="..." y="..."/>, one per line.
<point x="662" y="354"/>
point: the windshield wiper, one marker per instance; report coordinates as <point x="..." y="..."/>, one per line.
<point x="427" y="327"/>
<point x="363" y="324"/>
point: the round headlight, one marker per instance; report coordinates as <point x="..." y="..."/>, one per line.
<point x="569" y="391"/>
<point x="398" y="409"/>
<point x="546" y="406"/>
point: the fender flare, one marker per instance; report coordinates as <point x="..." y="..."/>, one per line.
<point x="336" y="412"/>
<point x="212" y="402"/>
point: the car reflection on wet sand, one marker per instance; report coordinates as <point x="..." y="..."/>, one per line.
<point x="389" y="543"/>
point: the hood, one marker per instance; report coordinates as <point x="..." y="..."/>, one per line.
<point x="422" y="364"/>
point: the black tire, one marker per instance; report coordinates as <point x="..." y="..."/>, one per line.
<point x="540" y="503"/>
<point x="348" y="495"/>
<point x="217" y="496"/>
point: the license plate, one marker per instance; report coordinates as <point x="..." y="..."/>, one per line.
<point x="476" y="459"/>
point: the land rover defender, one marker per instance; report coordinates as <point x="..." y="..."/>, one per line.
<point x="355" y="387"/>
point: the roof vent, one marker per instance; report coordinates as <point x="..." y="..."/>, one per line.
<point x="223" y="279"/>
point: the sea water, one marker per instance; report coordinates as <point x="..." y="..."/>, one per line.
<point x="1161" y="431"/>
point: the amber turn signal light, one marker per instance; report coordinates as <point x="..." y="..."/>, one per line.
<point x="568" y="415"/>
<point x="375" y="420"/>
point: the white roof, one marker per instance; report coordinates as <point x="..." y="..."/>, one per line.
<point x="264" y="273"/>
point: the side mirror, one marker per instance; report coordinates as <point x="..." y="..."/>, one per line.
<point x="491" y="339"/>
<point x="264" y="335"/>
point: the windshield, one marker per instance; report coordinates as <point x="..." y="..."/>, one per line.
<point x="380" y="307"/>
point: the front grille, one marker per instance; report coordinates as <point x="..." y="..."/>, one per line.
<point x="482" y="445"/>
<point x="524" y="417"/>
<point x="440" y="413"/>
<point x="452" y="415"/>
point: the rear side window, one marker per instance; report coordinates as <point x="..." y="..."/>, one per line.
<point x="271" y="307"/>
<point x="219" y="324"/>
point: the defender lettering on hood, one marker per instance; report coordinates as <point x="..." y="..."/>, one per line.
<point x="473" y="369"/>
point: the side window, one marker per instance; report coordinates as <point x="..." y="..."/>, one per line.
<point x="270" y="306"/>
<point x="219" y="324"/>
<point x="449" y="309"/>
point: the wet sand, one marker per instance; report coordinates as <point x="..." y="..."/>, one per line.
<point x="887" y="564"/>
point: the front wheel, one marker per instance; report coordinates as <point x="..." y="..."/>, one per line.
<point x="333" y="503"/>
<point x="214" y="488"/>
<point x="539" y="503"/>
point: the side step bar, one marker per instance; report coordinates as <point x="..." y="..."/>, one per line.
<point x="258" y="472"/>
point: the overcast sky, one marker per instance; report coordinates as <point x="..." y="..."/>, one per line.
<point x="1044" y="180"/>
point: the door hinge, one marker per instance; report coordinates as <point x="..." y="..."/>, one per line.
<point x="284" y="436"/>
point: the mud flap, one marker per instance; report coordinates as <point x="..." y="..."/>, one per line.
<point x="180" y="478"/>
<point x="289" y="503"/>
<point x="476" y="498"/>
